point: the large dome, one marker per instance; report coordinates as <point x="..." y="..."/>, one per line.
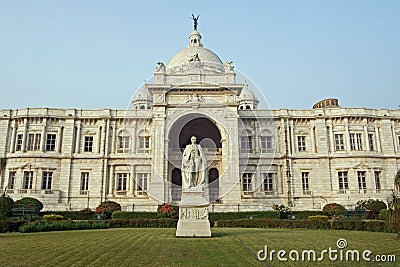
<point x="183" y="56"/>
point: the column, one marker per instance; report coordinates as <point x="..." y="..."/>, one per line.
<point x="99" y="139"/>
<point x="378" y="139"/>
<point x="43" y="136"/>
<point x="14" y="130"/>
<point x="365" y="128"/>
<point x="394" y="137"/>
<point x="59" y="137"/>
<point x="132" y="180"/>
<point x="114" y="136"/>
<point x="347" y="134"/>
<point x="111" y="181"/>
<point x="78" y="137"/>
<point x="107" y="136"/>
<point x="256" y="137"/>
<point x="24" y="137"/>
<point x="331" y="137"/>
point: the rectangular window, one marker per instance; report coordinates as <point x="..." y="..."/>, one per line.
<point x="84" y="182"/>
<point x="339" y="142"/>
<point x="144" y="142"/>
<point x="269" y="183"/>
<point x="28" y="180"/>
<point x="18" y="145"/>
<point x="343" y="182"/>
<point x="305" y="183"/>
<point x="362" y="186"/>
<point x="142" y="183"/>
<point x="34" y="142"/>
<point x="51" y="142"/>
<point x="88" y="145"/>
<point x="11" y="180"/>
<point x="246" y="143"/>
<point x="121" y="181"/>
<point x="356" y="141"/>
<point x="301" y="143"/>
<point x="266" y="144"/>
<point x="378" y="181"/>
<point x="246" y="183"/>
<point x="47" y="180"/>
<point x="371" y="142"/>
<point x="123" y="142"/>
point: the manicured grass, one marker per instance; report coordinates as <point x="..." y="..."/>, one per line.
<point x="159" y="247"/>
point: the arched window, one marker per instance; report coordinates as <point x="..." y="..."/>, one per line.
<point x="123" y="141"/>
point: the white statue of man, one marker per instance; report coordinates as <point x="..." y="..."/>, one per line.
<point x="193" y="165"/>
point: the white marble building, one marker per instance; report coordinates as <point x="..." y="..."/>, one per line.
<point x="71" y="159"/>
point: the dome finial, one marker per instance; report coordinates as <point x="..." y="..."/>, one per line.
<point x="195" y="19"/>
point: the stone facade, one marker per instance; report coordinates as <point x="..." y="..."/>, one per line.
<point x="71" y="159"/>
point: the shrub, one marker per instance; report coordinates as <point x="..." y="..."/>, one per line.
<point x="144" y="223"/>
<point x="30" y="201"/>
<point x="167" y="210"/>
<point x="217" y="216"/>
<point x="333" y="209"/>
<point x="318" y="217"/>
<point x="6" y="205"/>
<point x="375" y="206"/>
<point x="52" y="217"/>
<point x="107" y="208"/>
<point x="11" y="226"/>
<point x="134" y="215"/>
<point x="61" y="226"/>
<point x="86" y="214"/>
<point x="384" y="214"/>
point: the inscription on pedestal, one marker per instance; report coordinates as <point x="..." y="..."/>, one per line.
<point x="194" y="214"/>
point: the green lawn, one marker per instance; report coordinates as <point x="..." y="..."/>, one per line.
<point x="159" y="247"/>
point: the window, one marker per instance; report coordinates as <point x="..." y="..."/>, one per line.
<point x="142" y="183"/>
<point x="34" y="142"/>
<point x="84" y="183"/>
<point x="362" y="186"/>
<point x="11" y="179"/>
<point x="51" y="142"/>
<point x="268" y="183"/>
<point x="371" y="142"/>
<point x="339" y="142"/>
<point x="28" y="180"/>
<point x="305" y="183"/>
<point x="246" y="143"/>
<point x="18" y="146"/>
<point x="88" y="145"/>
<point x="246" y="183"/>
<point x="355" y="141"/>
<point x="144" y="142"/>
<point x="343" y="182"/>
<point x="301" y="143"/>
<point x="378" y="181"/>
<point x="266" y="144"/>
<point x="123" y="142"/>
<point x="121" y="181"/>
<point x="47" y="180"/>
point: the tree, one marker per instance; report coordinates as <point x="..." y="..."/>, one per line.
<point x="397" y="181"/>
<point x="394" y="205"/>
<point x="332" y="209"/>
<point x="6" y="205"/>
<point x="375" y="207"/>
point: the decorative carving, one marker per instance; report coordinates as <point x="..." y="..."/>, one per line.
<point x="195" y="214"/>
<point x="195" y="19"/>
<point x="194" y="58"/>
<point x="160" y="67"/>
<point x="195" y="98"/>
<point x="228" y="66"/>
<point x="193" y="165"/>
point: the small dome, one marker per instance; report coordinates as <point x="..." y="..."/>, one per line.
<point x="247" y="94"/>
<point x="184" y="56"/>
<point x="142" y="94"/>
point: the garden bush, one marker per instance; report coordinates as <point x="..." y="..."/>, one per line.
<point x="31" y="201"/>
<point x="143" y="223"/>
<point x="6" y="205"/>
<point x="52" y="217"/>
<point x="107" y="208"/>
<point x="61" y="226"/>
<point x="217" y="216"/>
<point x="384" y="214"/>
<point x="375" y="207"/>
<point x="134" y="215"/>
<point x="332" y="209"/>
<point x="85" y="214"/>
<point x="318" y="217"/>
<point x="11" y="225"/>
<point x="167" y="210"/>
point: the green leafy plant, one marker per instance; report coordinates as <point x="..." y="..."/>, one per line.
<point x="167" y="210"/>
<point x="6" y="205"/>
<point x="53" y="217"/>
<point x="332" y="209"/>
<point x="29" y="201"/>
<point x="107" y="208"/>
<point x="318" y="217"/>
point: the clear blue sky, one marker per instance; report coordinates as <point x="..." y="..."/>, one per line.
<point x="95" y="54"/>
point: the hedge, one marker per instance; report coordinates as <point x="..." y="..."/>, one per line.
<point x="134" y="215"/>
<point x="143" y="223"/>
<point x="61" y="226"/>
<point x="71" y="215"/>
<point x="11" y="225"/>
<point x="374" y="226"/>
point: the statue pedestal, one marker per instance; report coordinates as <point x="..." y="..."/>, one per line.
<point x="193" y="214"/>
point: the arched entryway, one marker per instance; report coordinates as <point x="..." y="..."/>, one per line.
<point x="213" y="184"/>
<point x="208" y="136"/>
<point x="176" y="189"/>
